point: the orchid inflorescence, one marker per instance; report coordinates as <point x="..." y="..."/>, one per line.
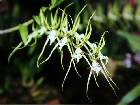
<point x="60" y="33"/>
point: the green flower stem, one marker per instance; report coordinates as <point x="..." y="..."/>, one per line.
<point x="9" y="30"/>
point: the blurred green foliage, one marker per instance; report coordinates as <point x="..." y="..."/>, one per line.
<point x="132" y="39"/>
<point x="130" y="96"/>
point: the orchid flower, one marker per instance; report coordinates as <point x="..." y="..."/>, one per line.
<point x="42" y="30"/>
<point x="60" y="33"/>
<point x="79" y="36"/>
<point x="62" y="43"/>
<point x="52" y="36"/>
<point x="78" y="54"/>
<point x="96" y="67"/>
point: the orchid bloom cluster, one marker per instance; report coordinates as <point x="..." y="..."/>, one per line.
<point x="60" y="33"/>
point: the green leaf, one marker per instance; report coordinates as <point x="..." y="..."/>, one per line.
<point x="44" y="8"/>
<point x="130" y="96"/>
<point x="23" y="33"/>
<point x="127" y="12"/>
<point x="42" y="16"/>
<point x="39" y="81"/>
<point x="138" y="1"/>
<point x="37" y="20"/>
<point x="55" y="3"/>
<point x="133" y="40"/>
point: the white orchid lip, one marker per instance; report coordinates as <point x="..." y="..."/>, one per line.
<point x="62" y="42"/>
<point x="30" y="37"/>
<point x="52" y="36"/>
<point x="79" y="36"/>
<point x="92" y="45"/>
<point x="42" y="30"/>
<point x="103" y="57"/>
<point x="78" y="54"/>
<point x="96" y="67"/>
